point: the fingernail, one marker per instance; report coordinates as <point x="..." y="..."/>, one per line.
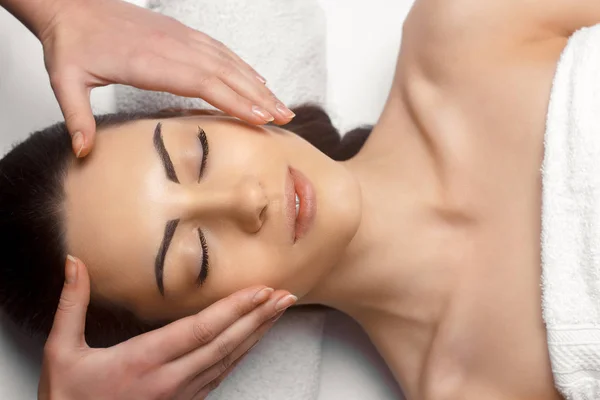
<point x="71" y="270"/>
<point x="78" y="142"/>
<point x="286" y="302"/>
<point x="261" y="79"/>
<point x="276" y="317"/>
<point x="262" y="295"/>
<point x="284" y="111"/>
<point x="262" y="113"/>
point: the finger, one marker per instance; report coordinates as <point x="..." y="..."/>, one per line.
<point x="242" y="81"/>
<point x="223" y="97"/>
<point x="241" y="61"/>
<point x="187" y="334"/>
<point x="161" y="74"/>
<point x="204" y="389"/>
<point x="238" y="77"/>
<point x="225" y="54"/>
<point x="256" y="93"/>
<point x="219" y="351"/>
<point x="207" y="40"/>
<point x="69" y="321"/>
<point x="207" y="381"/>
<point x="198" y="389"/>
<point x="74" y="100"/>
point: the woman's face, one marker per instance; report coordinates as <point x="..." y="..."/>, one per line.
<point x="159" y="204"/>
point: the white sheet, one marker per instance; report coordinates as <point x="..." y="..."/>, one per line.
<point x="363" y="40"/>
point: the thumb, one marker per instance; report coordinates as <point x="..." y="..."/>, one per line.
<point x="74" y="101"/>
<point x="69" y="321"/>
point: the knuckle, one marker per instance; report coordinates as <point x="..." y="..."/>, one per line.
<point x="53" y="353"/>
<point x="215" y="383"/>
<point x="203" y="332"/>
<point x="222" y="56"/>
<point x="262" y="327"/>
<point x="226" y="69"/>
<point x="65" y="304"/>
<point x="70" y="117"/>
<point x="159" y="37"/>
<point x="206" y="82"/>
<point x="223" y="349"/>
<point x="219" y="45"/>
<point x="56" y="79"/>
<point x="225" y="364"/>
<point x="57" y="357"/>
<point x="62" y="72"/>
<point x="138" y="363"/>
<point x="239" y="308"/>
<point x="263" y="315"/>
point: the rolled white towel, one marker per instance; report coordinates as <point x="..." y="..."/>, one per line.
<point x="571" y="219"/>
<point x="285" y="42"/>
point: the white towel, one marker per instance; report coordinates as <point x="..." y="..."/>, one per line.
<point x="285" y="42"/>
<point x="571" y="219"/>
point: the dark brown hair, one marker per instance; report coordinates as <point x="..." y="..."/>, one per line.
<point x="32" y="240"/>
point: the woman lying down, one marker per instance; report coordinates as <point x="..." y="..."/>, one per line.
<point x="434" y="236"/>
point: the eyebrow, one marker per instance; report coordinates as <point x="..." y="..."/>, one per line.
<point x="171" y="226"/>
<point x="159" y="263"/>
<point x="159" y="145"/>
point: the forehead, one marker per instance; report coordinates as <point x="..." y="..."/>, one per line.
<point x="112" y="209"/>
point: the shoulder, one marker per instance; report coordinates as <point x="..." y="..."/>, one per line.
<point x="447" y="43"/>
<point x="504" y="20"/>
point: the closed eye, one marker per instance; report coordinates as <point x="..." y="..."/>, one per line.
<point x="204" y="263"/>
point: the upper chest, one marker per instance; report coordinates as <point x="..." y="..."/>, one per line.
<point x="484" y="124"/>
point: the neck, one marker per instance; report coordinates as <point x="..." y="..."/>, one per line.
<point x="393" y="271"/>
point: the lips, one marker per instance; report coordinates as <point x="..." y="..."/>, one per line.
<point x="301" y="204"/>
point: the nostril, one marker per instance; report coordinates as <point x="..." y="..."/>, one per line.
<point x="263" y="213"/>
<point x="253" y="203"/>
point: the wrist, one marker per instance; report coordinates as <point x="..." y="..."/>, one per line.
<point x="36" y="15"/>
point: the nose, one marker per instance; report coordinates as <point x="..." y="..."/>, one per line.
<point x="243" y="201"/>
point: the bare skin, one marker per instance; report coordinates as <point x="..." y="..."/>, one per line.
<point x="429" y="237"/>
<point x="454" y="304"/>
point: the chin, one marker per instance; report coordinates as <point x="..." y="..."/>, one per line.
<point x="336" y="224"/>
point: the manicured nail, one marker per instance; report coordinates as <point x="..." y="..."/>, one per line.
<point x="78" y="142"/>
<point x="261" y="79"/>
<point x="262" y="295"/>
<point x="276" y="317"/>
<point x="286" y="302"/>
<point x="284" y="111"/>
<point x="71" y="270"/>
<point x="262" y="113"/>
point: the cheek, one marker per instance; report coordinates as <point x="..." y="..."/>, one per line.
<point x="254" y="262"/>
<point x="243" y="151"/>
<point x="297" y="270"/>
